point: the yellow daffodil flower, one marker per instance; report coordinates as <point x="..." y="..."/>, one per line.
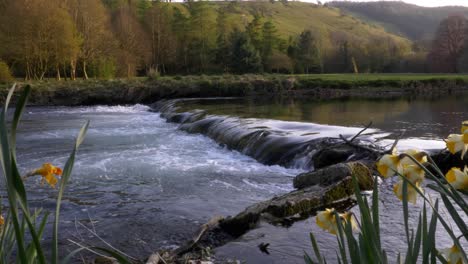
<point x="412" y="192"/>
<point x="2" y="221"/>
<point x="416" y="154"/>
<point x="457" y="178"/>
<point x="465" y="137"/>
<point x="414" y="173"/>
<point x="464" y="126"/>
<point x="48" y="173"/>
<point x="388" y="165"/>
<point x="455" y="144"/>
<point x="453" y="255"/>
<point x="326" y="220"/>
<point x="348" y="217"/>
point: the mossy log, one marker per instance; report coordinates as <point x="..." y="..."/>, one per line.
<point x="316" y="190"/>
<point x="335" y="173"/>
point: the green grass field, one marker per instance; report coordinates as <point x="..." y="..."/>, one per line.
<point x="329" y="79"/>
<point x="381" y="76"/>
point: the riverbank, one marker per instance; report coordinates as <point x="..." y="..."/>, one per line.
<point x="326" y="86"/>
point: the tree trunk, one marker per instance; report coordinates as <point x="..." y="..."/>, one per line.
<point x="65" y="72"/>
<point x="57" y="67"/>
<point x="73" y="70"/>
<point x="85" y="74"/>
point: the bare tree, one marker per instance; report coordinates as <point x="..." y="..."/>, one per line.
<point x="448" y="44"/>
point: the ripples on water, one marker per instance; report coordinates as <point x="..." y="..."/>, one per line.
<point x="143" y="183"/>
<point x="146" y="185"/>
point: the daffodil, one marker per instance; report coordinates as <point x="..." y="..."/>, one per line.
<point x="2" y="221"/>
<point x="418" y="155"/>
<point x="388" y="165"/>
<point x="464" y="126"/>
<point x="48" y="173"/>
<point x="412" y="192"/>
<point x="326" y="220"/>
<point x="457" y="178"/>
<point x="414" y="173"/>
<point x="455" y="143"/>
<point x="349" y="218"/>
<point x="453" y="255"/>
<point x="465" y="137"/>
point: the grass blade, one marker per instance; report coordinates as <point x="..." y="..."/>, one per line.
<point x="16" y="118"/>
<point x="63" y="182"/>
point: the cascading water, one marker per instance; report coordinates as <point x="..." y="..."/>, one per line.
<point x="289" y="144"/>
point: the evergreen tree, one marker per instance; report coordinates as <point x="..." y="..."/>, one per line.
<point x="203" y="29"/>
<point x="181" y="31"/>
<point x="244" y="57"/>
<point x="308" y="56"/>
<point x="254" y="31"/>
<point x="222" y="41"/>
<point x="269" y="41"/>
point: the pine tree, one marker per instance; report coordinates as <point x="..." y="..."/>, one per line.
<point x="269" y="41"/>
<point x="308" y="56"/>
<point x="244" y="57"/>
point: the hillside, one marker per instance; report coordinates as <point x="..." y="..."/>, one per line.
<point x="411" y="21"/>
<point x="114" y="38"/>
<point x="294" y="17"/>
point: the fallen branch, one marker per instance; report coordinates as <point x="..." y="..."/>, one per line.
<point x="198" y="235"/>
<point x="360" y="132"/>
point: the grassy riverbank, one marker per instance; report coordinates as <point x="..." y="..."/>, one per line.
<point x="147" y="90"/>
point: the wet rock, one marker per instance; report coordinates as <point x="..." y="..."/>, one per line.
<point x="333" y="155"/>
<point x="333" y="152"/>
<point x="336" y="173"/>
<point x="446" y="160"/>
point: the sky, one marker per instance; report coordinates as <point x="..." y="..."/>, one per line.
<point x="430" y="3"/>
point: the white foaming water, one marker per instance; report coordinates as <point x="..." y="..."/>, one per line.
<point x="137" y="173"/>
<point x="415" y="143"/>
<point x="129" y="109"/>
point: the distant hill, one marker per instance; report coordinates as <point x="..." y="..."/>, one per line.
<point x="294" y="17"/>
<point x="411" y="21"/>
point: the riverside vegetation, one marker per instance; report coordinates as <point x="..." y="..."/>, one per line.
<point x="114" y="38"/>
<point x="149" y="90"/>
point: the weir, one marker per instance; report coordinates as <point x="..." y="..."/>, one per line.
<point x="295" y="145"/>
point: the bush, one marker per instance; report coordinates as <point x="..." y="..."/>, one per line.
<point x="103" y="68"/>
<point x="153" y="73"/>
<point x="5" y="74"/>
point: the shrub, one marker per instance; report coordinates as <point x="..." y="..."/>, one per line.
<point x="5" y="73"/>
<point x="153" y="74"/>
<point x="103" y="68"/>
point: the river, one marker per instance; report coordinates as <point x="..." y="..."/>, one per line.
<point x="143" y="184"/>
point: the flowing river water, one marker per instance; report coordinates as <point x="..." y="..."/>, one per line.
<point x="142" y="183"/>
